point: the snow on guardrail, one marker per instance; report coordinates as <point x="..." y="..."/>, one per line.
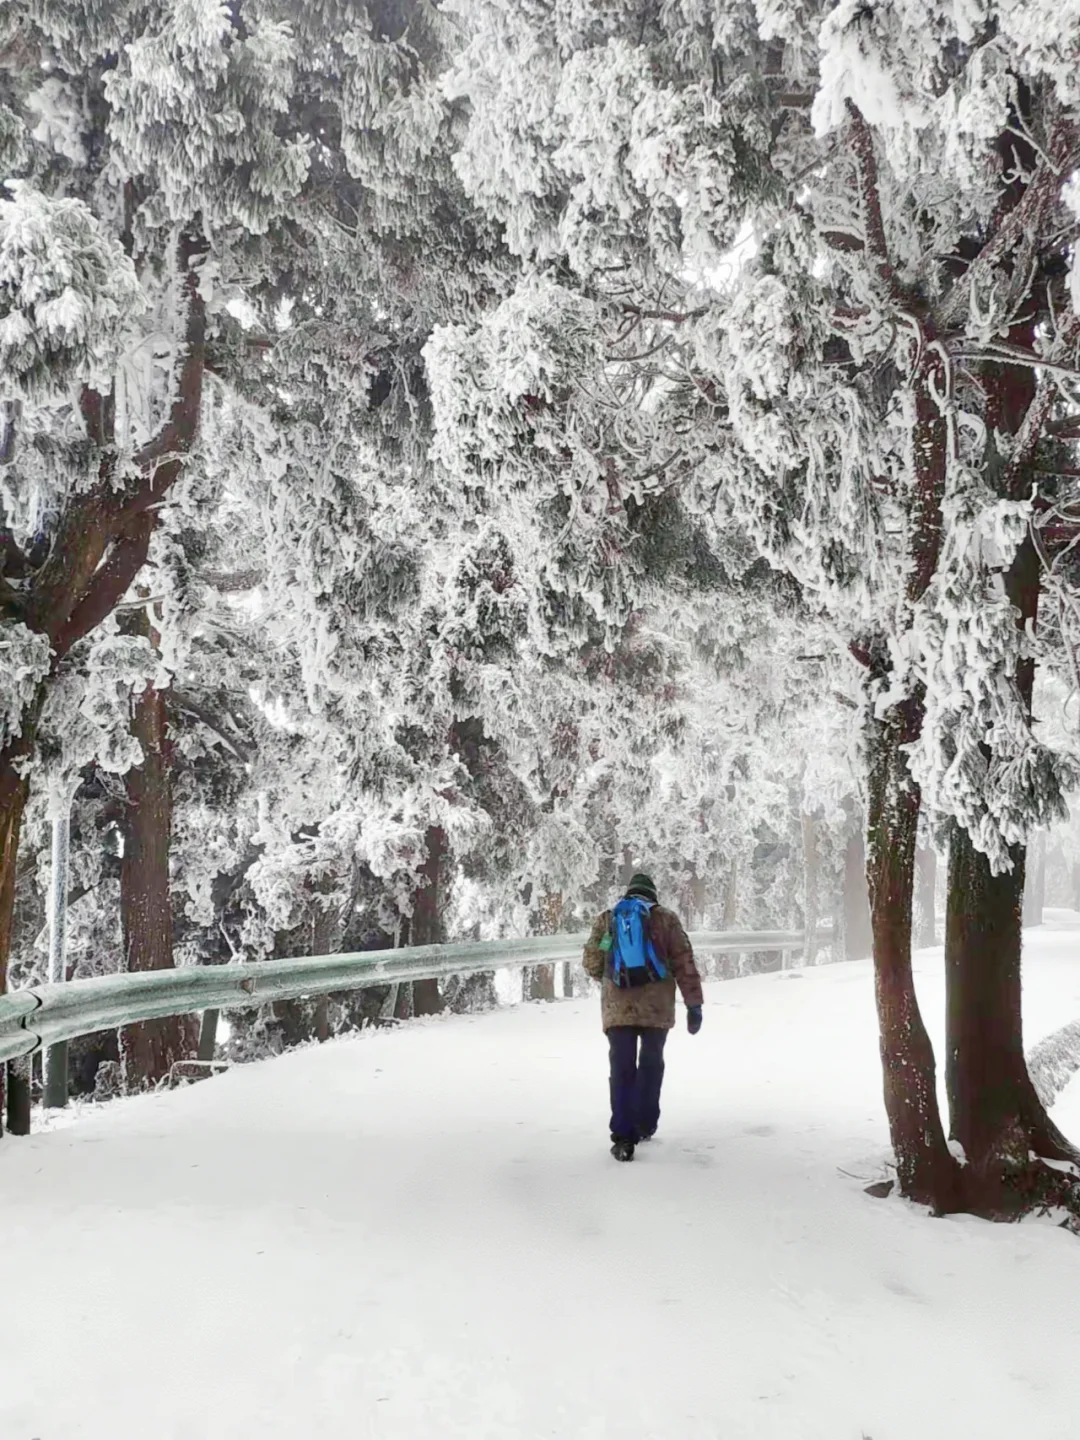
<point x="44" y="1015"/>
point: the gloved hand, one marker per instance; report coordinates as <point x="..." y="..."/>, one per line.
<point x="693" y="1018"/>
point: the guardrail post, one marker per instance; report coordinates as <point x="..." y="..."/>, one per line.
<point x="18" y="1096"/>
<point x="56" y="1056"/>
<point x="207" y="1035"/>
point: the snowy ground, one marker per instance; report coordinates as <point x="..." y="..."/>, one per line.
<point x="420" y="1233"/>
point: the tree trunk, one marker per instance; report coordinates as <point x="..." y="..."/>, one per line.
<point x="97" y="549"/>
<point x="327" y="926"/>
<point x="321" y="1019"/>
<point x="699" y="897"/>
<point x="811" y="888"/>
<point x="87" y="1054"/>
<point x="402" y="997"/>
<point x="475" y="993"/>
<point x="996" y="1114"/>
<point x="100" y="543"/>
<point x="858" y="935"/>
<point x="149" y="1049"/>
<point x="540" y="982"/>
<point x="425" y="925"/>
<point x="926" y="898"/>
<point x="926" y="1171"/>
<point x="14" y="790"/>
<point x="1035" y="881"/>
<point x="731" y="898"/>
<point x="994" y="1111"/>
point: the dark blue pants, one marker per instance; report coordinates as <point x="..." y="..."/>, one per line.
<point x="635" y="1079"/>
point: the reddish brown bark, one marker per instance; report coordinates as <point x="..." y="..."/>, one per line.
<point x="14" y="791"/>
<point x="13" y="797"/>
<point x="149" y="1049"/>
<point x="994" y="1110"/>
<point x="926" y="1170"/>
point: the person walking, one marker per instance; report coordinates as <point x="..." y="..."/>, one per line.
<point x="640" y="952"/>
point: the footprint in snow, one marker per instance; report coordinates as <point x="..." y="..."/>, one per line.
<point x="697" y="1157"/>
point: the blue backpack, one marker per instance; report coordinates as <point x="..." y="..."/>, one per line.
<point x="634" y="960"/>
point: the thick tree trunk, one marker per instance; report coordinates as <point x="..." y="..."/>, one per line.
<point x="926" y="1170"/>
<point x="425" y="926"/>
<point x="149" y="1049"/>
<point x="858" y="935"/>
<point x="14" y="790"/>
<point x="925" y="898"/>
<point x="1035" y="880"/>
<point x="994" y="1111"/>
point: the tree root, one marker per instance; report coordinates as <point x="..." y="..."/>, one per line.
<point x="1001" y="1190"/>
<point x="1009" y="1193"/>
<point x="1045" y="1138"/>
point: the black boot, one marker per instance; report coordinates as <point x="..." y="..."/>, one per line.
<point x="623" y="1149"/>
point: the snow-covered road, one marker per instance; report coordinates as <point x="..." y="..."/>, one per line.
<point x="420" y="1233"/>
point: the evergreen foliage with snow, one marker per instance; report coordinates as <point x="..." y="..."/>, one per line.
<point x="600" y="416"/>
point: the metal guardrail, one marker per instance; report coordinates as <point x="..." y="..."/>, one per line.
<point x="44" y="1015"/>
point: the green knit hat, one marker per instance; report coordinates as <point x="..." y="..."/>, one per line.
<point x="641" y="884"/>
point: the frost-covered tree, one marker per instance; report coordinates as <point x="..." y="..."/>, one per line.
<point x="947" y="314"/>
<point x="840" y="240"/>
<point x="191" y="188"/>
<point x="114" y="238"/>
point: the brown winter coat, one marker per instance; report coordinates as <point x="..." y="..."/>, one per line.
<point x="652" y="1004"/>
